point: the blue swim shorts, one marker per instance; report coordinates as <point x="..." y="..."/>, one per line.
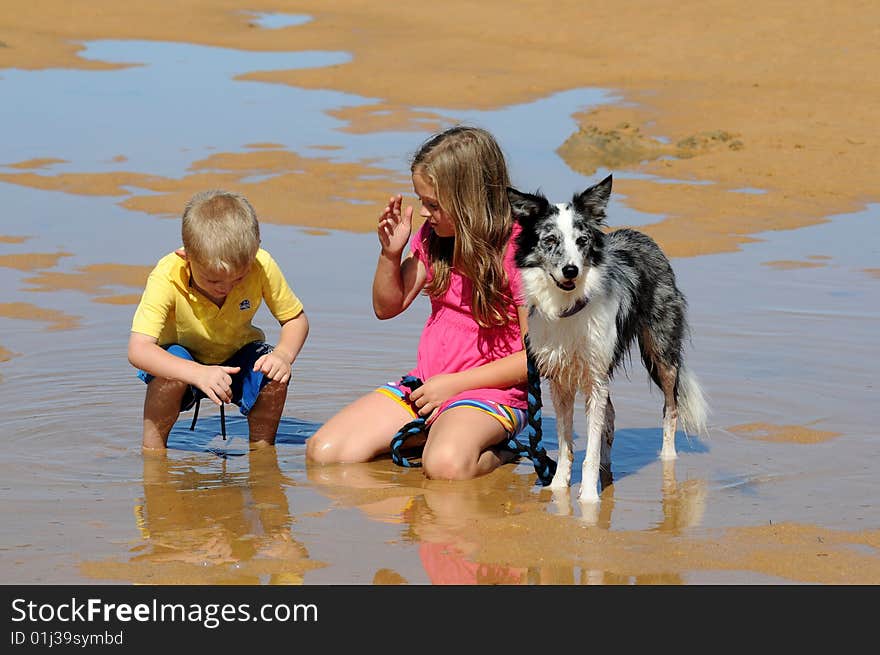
<point x="246" y="384"/>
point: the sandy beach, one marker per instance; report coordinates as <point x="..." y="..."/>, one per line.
<point x="743" y="141"/>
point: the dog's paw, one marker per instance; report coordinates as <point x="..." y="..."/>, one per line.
<point x="588" y="495"/>
<point x="668" y="454"/>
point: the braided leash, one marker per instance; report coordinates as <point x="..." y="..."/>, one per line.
<point x="411" y="429"/>
<point x="545" y="467"/>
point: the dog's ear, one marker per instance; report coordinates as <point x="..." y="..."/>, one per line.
<point x="592" y="201"/>
<point x="526" y="206"/>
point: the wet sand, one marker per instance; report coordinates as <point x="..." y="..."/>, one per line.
<point x="751" y="151"/>
<point x="784" y="105"/>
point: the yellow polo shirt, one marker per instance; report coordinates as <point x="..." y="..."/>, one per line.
<point x="173" y="311"/>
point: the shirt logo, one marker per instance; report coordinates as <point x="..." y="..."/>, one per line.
<point x="244" y="304"/>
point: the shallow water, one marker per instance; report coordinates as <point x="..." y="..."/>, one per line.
<point x="783" y="341"/>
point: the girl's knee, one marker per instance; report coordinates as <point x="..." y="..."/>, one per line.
<point x="334" y="446"/>
<point x="323" y="448"/>
<point x="448" y="464"/>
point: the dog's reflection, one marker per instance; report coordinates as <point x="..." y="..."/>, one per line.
<point x="683" y="503"/>
<point x="456" y="524"/>
<point x="203" y="524"/>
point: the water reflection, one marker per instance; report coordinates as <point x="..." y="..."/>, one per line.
<point x="453" y="524"/>
<point x="684" y="503"/>
<point x="203" y="523"/>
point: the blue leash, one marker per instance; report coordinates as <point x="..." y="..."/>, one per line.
<point x="544" y="466"/>
<point x="413" y="428"/>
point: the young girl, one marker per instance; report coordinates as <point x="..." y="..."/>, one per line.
<point x="470" y="355"/>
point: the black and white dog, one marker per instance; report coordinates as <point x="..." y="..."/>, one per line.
<point x="591" y="294"/>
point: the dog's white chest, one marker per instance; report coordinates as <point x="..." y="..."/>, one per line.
<point x="562" y="350"/>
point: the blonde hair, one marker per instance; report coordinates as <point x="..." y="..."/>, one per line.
<point x="220" y="230"/>
<point x="467" y="169"/>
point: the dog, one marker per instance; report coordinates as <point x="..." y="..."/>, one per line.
<point x="591" y="294"/>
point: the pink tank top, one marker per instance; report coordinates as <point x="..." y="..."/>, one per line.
<point x="452" y="341"/>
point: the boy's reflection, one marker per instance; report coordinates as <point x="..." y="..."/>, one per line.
<point x="202" y="524"/>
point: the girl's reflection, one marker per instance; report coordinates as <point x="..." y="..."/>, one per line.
<point x="451" y="522"/>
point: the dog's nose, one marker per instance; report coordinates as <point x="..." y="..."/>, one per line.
<point x="570" y="271"/>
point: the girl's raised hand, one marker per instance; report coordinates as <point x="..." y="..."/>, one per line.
<point x="395" y="226"/>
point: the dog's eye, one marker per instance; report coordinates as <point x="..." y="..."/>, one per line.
<point x="549" y="241"/>
<point x="583" y="241"/>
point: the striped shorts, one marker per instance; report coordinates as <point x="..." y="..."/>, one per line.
<point x="512" y="419"/>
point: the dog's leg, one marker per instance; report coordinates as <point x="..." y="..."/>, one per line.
<point x="563" y="405"/>
<point x="665" y="376"/>
<point x="596" y="407"/>
<point x="605" y="478"/>
<point x="668" y="382"/>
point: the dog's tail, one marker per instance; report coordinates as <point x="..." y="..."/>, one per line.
<point x="693" y="409"/>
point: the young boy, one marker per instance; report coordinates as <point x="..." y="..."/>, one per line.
<point x="192" y="337"/>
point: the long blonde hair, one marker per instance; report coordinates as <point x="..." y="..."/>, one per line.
<point x="469" y="174"/>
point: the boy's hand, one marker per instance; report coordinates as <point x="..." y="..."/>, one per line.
<point x="216" y="382"/>
<point x="395" y="227"/>
<point x="434" y="392"/>
<point x="274" y="366"/>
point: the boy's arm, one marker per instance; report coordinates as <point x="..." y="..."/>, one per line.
<point x="276" y="364"/>
<point x="287" y="308"/>
<point x="145" y="353"/>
